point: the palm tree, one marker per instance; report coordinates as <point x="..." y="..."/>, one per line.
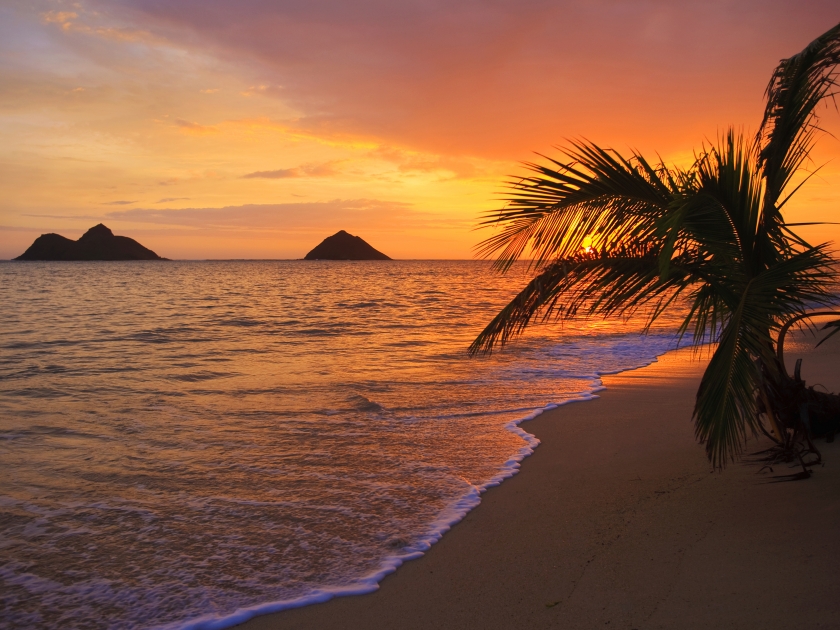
<point x="610" y="235"/>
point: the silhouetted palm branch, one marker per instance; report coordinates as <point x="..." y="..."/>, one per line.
<point x="711" y="236"/>
<point x="788" y="128"/>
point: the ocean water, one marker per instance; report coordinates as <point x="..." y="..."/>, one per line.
<point x="185" y="444"/>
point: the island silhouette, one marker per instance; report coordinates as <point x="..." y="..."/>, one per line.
<point x="98" y="243"/>
<point x="344" y="246"/>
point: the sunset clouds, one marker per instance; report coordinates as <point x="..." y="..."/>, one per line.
<point x="421" y="106"/>
<point x="488" y="78"/>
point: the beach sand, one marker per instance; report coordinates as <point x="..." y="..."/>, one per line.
<point x="617" y="521"/>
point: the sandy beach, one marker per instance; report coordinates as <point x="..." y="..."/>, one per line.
<point x="618" y="521"/>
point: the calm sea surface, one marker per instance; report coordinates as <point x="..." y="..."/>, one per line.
<point x="185" y="443"/>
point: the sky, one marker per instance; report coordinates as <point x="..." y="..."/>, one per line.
<point x="254" y="129"/>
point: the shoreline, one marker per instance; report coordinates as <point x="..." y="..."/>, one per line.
<point x="448" y="518"/>
<point x="566" y="542"/>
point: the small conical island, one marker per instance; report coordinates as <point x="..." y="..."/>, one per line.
<point x="344" y="246"/>
<point x="98" y="243"/>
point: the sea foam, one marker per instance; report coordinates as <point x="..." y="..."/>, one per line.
<point x="450" y="516"/>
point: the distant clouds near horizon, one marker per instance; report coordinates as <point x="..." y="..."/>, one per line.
<point x="214" y="129"/>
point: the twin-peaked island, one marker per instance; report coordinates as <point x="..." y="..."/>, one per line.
<point x="100" y="243"/>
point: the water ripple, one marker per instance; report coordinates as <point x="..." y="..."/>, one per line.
<point x="180" y="441"/>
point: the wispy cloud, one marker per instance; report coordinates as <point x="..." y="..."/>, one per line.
<point x="409" y="161"/>
<point x="121" y="202"/>
<point x="17" y="228"/>
<point x="258" y="216"/>
<point x="496" y="79"/>
<point x="66" y="217"/>
<point x="262" y="89"/>
<point x="90" y="23"/>
<point x="326" y="169"/>
<point x="62" y="18"/>
<point x="193" y="127"/>
<point x="322" y="216"/>
<point x="283" y="173"/>
<point x="170" y="199"/>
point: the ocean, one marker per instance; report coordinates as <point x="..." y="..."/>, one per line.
<point x="187" y="444"/>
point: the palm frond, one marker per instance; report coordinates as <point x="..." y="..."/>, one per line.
<point x="835" y="326"/>
<point x="711" y="237"/>
<point x="789" y="125"/>
<point x="615" y="283"/>
<point x="596" y="193"/>
<point x="724" y="413"/>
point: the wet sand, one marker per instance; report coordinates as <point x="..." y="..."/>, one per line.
<point x="617" y="521"/>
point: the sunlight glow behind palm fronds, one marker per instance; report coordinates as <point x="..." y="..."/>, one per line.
<point x="609" y="235"/>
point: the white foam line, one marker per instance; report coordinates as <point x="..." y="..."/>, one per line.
<point x="449" y="516"/>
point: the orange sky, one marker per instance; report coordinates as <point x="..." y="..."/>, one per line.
<point x="210" y="129"/>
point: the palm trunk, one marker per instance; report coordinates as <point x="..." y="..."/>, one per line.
<point x="796" y="414"/>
